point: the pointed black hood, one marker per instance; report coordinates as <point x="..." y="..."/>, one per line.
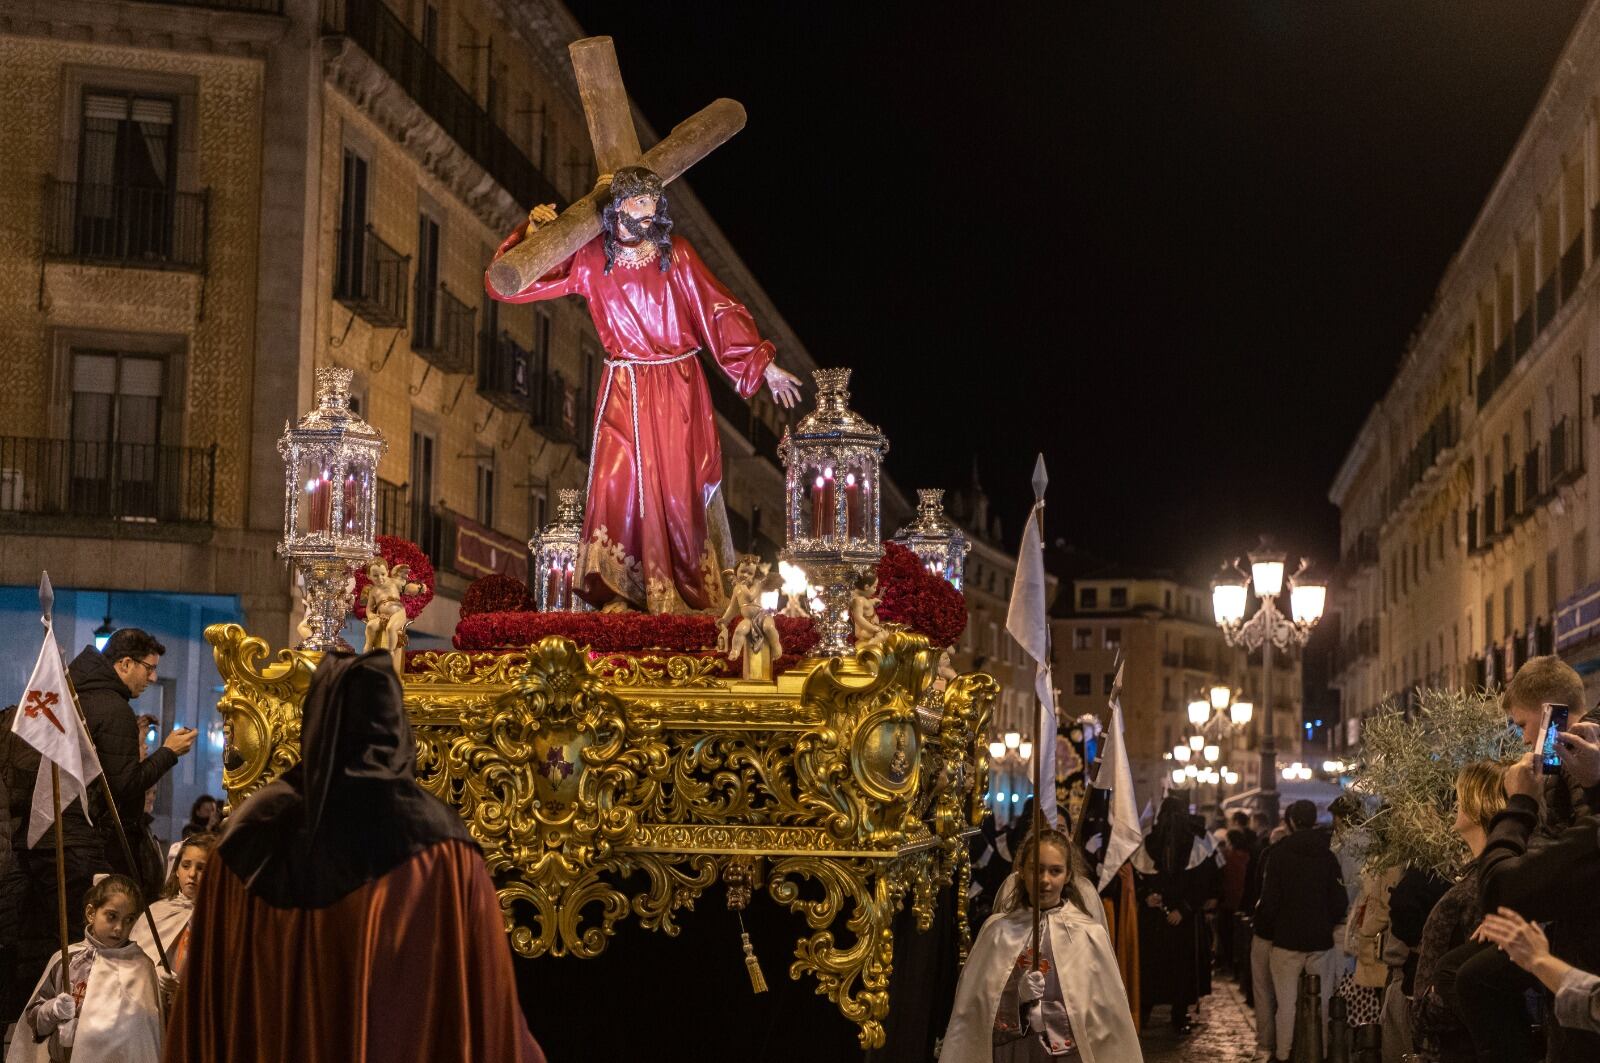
<point x="351" y="810"/>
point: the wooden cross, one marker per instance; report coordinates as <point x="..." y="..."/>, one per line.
<point x="616" y="144"/>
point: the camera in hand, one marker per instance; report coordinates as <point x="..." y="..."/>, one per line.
<point x="1555" y="721"/>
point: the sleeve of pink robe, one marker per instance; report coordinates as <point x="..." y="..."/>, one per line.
<point x="725" y="325"/>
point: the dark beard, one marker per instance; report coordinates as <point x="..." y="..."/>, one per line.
<point x="639" y="228"/>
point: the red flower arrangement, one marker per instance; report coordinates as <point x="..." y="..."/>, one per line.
<point x="495" y="593"/>
<point x="397" y="552"/>
<point x="916" y="598"/>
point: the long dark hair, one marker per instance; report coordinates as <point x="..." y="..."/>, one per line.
<point x="203" y="842"/>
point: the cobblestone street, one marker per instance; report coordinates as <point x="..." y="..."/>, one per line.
<point x="1225" y="1032"/>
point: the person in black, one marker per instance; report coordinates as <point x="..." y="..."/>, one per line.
<point x="1175" y="874"/>
<point x="105" y="681"/>
<point x="1302" y="899"/>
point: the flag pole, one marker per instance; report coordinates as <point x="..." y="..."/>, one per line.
<point x="1038" y="773"/>
<point x="61" y="873"/>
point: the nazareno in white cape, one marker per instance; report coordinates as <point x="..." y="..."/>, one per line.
<point x="1086" y="966"/>
<point x="120" y="1021"/>
<point x="171" y="915"/>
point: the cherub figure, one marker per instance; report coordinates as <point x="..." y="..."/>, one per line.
<point x="869" y="630"/>
<point x="746" y="629"/>
<point x="386" y="609"/>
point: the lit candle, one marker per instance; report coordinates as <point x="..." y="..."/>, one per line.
<point x="319" y="504"/>
<point x="854" y="525"/>
<point x="349" y="503"/>
<point x="822" y="505"/>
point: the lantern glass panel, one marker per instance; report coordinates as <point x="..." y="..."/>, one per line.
<point x="314" y="482"/>
<point x="817" y="501"/>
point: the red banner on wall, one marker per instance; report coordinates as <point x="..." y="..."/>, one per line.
<point x="483" y="551"/>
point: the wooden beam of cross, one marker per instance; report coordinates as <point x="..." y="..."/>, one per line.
<point x="616" y="144"/>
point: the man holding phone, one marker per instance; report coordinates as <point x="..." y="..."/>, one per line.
<point x="1542" y="860"/>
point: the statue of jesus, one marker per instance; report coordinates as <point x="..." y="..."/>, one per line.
<point x="655" y="528"/>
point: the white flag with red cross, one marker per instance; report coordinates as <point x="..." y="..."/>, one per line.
<point x="48" y="721"/>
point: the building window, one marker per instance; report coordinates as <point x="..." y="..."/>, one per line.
<point x="1083" y="638"/>
<point x="1166" y="600"/>
<point x="125" y="176"/>
<point x="425" y="327"/>
<point x="1088" y="598"/>
<point x="483" y="509"/>
<point x="1080" y="683"/>
<point x="425" y="531"/>
<point x="351" y="269"/>
<point x="1119" y="597"/>
<point x="1110" y="679"/>
<point x="116" y="430"/>
<point x="1113" y="638"/>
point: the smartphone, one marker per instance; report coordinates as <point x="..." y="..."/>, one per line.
<point x="1555" y="721"/>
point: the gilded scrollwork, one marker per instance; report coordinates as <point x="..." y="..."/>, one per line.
<point x="604" y="786"/>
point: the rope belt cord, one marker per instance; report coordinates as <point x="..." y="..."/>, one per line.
<point x="627" y="365"/>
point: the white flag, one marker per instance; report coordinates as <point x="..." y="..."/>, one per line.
<point x="1029" y="624"/>
<point x="1116" y="775"/>
<point x="48" y="721"/>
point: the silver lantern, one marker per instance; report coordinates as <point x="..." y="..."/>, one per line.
<point x="330" y="468"/>
<point x="935" y="539"/>
<point x="832" y="463"/>
<point x="555" y="552"/>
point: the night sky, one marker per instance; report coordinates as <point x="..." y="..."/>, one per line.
<point x="1178" y="247"/>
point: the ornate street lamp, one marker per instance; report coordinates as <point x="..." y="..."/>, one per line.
<point x="935" y="539"/>
<point x="1266" y="629"/>
<point x="330" y="469"/>
<point x="832" y="463"/>
<point x="555" y="552"/>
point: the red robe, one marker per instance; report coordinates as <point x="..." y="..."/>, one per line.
<point x="655" y="528"/>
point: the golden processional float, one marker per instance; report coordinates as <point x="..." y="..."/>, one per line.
<point x="602" y="784"/>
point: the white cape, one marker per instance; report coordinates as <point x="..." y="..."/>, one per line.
<point x="120" y="1021"/>
<point x="171" y="917"/>
<point x="1086" y="966"/>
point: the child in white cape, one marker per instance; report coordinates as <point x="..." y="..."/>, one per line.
<point x="107" y="1009"/>
<point x="1074" y="1008"/>
<point x="176" y="906"/>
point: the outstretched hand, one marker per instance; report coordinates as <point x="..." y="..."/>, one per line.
<point x="784" y="385"/>
<point x="1580" y="752"/>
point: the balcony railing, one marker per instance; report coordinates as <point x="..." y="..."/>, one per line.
<point x="133" y="483"/>
<point x="1524" y="332"/>
<point x="371" y="278"/>
<point x="394" y="513"/>
<point x="1566" y="460"/>
<point x="505" y="372"/>
<point x="125" y="226"/>
<point x="383" y="36"/>
<point x="1545" y="304"/>
<point x="451" y="346"/>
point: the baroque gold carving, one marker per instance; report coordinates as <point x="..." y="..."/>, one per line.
<point x="606" y="786"/>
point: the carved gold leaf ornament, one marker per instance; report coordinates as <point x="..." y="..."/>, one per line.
<point x="601" y="786"/>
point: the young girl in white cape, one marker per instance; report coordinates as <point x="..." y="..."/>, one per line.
<point x="176" y="906"/>
<point x="107" y="1009"/>
<point x="1074" y="1008"/>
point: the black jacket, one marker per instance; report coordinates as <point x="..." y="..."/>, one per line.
<point x="114" y="730"/>
<point x="1556" y="881"/>
<point x="1302" y="893"/>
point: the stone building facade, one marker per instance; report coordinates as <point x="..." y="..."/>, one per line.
<point x="1466" y="512"/>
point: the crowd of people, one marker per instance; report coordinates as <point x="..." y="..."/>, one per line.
<point x="332" y="880"/>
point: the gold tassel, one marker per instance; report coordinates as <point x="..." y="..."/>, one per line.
<point x="758" y="983"/>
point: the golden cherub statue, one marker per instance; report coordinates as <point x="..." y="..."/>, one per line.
<point x="864" y="622"/>
<point x="386" y="609"/>
<point x="754" y="636"/>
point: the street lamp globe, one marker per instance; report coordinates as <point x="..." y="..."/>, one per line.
<point x="1220" y="696"/>
<point x="1025" y="750"/>
<point x="997" y="749"/>
<point x="1178" y="776"/>
<point x="1306" y="599"/>
<point x="1196" y="742"/>
<point x="1212" y="753"/>
<point x="1240" y="712"/>
<point x="1191" y="771"/>
<point x="1228" y="594"/>
<point x="1266" y="570"/>
<point x="1013" y="739"/>
<point x="1199" y="712"/>
<point x="1181" y="754"/>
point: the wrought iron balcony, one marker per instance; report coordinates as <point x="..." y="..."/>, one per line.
<point x="382" y="35"/>
<point x="125" y="226"/>
<point x="80" y="480"/>
<point x="371" y="278"/>
<point x="505" y="372"/>
<point x="444" y="338"/>
<point x="556" y="410"/>
<point x="394" y="509"/>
